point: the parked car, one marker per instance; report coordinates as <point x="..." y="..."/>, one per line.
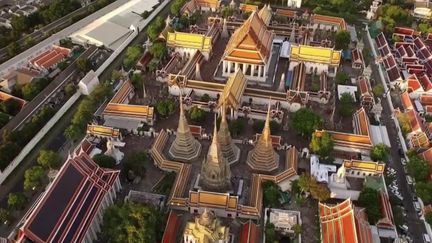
<point x="426" y="238"/>
<point x="409" y="180"/>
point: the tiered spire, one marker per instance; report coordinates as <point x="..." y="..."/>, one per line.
<point x="263" y="157"/>
<point x="215" y="171"/>
<point x="229" y="150"/>
<point x="185" y="147"/>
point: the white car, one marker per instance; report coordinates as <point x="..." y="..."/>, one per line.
<point x="403" y="161"/>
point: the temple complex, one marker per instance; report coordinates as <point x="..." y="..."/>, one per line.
<point x="215" y="170"/>
<point x="205" y="229"/>
<point x="185" y="147"/>
<point x="263" y="157"/>
<point x="249" y="49"/>
<point x="229" y="150"/>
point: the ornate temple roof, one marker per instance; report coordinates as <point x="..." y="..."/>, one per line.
<point x="337" y="222"/>
<point x="265" y="14"/>
<point x="99" y="130"/>
<point x="315" y="54"/>
<point x="233" y="90"/>
<point x="251" y="43"/>
<point x="189" y="40"/>
<point x="263" y="157"/>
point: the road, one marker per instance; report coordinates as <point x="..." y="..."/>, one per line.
<point x="43" y="97"/>
<point x="415" y="225"/>
<point x="40" y="34"/>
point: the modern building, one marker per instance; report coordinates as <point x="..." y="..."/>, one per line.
<point x="71" y="209"/>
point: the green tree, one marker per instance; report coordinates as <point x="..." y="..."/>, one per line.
<point x="116" y="75"/>
<point x="5" y="216"/>
<point x="297" y="228"/>
<point x="13" y="49"/>
<point x="29" y="42"/>
<point x="369" y="199"/>
<point x="16" y="201"/>
<point x="84" y="64"/>
<point x="404" y="123"/>
<point x="418" y="168"/>
<point x="236" y="127"/>
<point x="72" y="132"/>
<point x="205" y="98"/>
<point x="4" y="119"/>
<point x="8" y="151"/>
<point x="270" y="233"/>
<point x="378" y="90"/>
<point x="104" y="160"/>
<point x="136" y="163"/>
<point x="131" y="222"/>
<point x="33" y="178"/>
<point x="133" y="53"/>
<point x="70" y="89"/>
<point x="342" y="77"/>
<point x="428" y="218"/>
<point x="424" y="191"/>
<point x="227" y="12"/>
<point x="305" y="121"/>
<point x="159" y="50"/>
<point x="49" y="159"/>
<point x="346" y="105"/>
<point x="258" y="126"/>
<point x="197" y="114"/>
<point x="343" y="39"/>
<point x="319" y="191"/>
<point x="304" y="182"/>
<point x="322" y="145"/>
<point x="165" y="107"/>
<point x="424" y="28"/>
<point x="10" y="106"/>
<point x="380" y="152"/>
<point x="137" y="81"/>
<point x="271" y="193"/>
<point x="176" y="6"/>
<point x="154" y="29"/>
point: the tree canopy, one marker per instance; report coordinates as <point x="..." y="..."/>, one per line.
<point x="346" y="105"/>
<point x="343" y="39"/>
<point x="271" y="193"/>
<point x="322" y="145"/>
<point x="342" y="77"/>
<point x="305" y="121"/>
<point x="131" y="222"/>
<point x="418" y="168"/>
<point x="49" y="159"/>
<point x="104" y="160"/>
<point x="84" y="64"/>
<point x="310" y="185"/>
<point x="197" y="114"/>
<point x="10" y="106"/>
<point x="380" y="152"/>
<point x="424" y="191"/>
<point x="165" y="107"/>
<point x="154" y="29"/>
<point x="136" y="162"/>
<point x="16" y="201"/>
<point x="378" y="90"/>
<point x="33" y="178"/>
<point x="158" y="50"/>
<point x="369" y="199"/>
<point x="428" y="218"/>
<point x="133" y="53"/>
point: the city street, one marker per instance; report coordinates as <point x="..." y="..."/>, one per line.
<point x="415" y="225"/>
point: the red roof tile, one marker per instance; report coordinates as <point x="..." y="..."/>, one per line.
<point x="426" y="99"/>
<point x="250" y="233"/>
<point x="171" y="228"/>
<point x="337" y="223"/>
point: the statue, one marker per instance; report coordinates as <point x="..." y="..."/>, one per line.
<point x="113" y="151"/>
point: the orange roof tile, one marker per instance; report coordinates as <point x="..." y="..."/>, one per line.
<point x="364" y="231"/>
<point x="251" y="43"/>
<point x="248" y="7"/>
<point x="406" y="101"/>
<point x="386" y="220"/>
<point x="122" y="94"/>
<point x="414" y="120"/>
<point x="337" y="223"/>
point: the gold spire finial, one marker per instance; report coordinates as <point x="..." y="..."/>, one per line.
<point x="266" y="131"/>
<point x="181" y="103"/>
